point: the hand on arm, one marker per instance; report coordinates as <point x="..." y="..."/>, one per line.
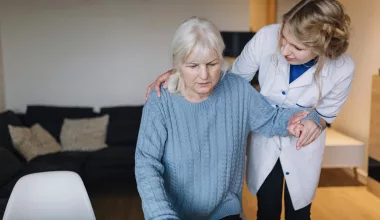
<point x="328" y="109"/>
<point x="307" y="131"/>
<point x="271" y="121"/>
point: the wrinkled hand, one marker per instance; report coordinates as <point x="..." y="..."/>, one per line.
<point x="307" y="131"/>
<point x="163" y="78"/>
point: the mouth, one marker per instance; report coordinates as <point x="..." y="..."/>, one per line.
<point x="289" y="59"/>
<point x="204" y="83"/>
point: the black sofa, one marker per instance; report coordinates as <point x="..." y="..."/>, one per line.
<point x="110" y="170"/>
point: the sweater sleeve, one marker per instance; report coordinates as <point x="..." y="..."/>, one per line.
<point x="270" y="121"/>
<point x="149" y="168"/>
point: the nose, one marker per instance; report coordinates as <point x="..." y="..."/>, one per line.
<point x="286" y="50"/>
<point x="203" y="74"/>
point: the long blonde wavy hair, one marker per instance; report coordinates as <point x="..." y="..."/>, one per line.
<point x="321" y="25"/>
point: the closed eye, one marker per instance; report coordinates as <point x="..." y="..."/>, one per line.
<point x="285" y="41"/>
<point x="193" y="66"/>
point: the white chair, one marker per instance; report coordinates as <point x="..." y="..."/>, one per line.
<point x="57" y="195"/>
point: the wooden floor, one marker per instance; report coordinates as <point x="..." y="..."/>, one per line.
<point x="339" y="197"/>
<point x="331" y="203"/>
<point x="115" y="207"/>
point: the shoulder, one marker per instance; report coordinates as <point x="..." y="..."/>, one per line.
<point x="235" y="82"/>
<point x="154" y="103"/>
<point x="269" y="33"/>
<point x="272" y="29"/>
<point x="342" y="68"/>
<point x="239" y="88"/>
<point x="234" y="78"/>
<point x="266" y="40"/>
<point x="345" y="62"/>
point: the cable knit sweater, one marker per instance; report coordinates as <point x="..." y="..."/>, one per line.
<point x="190" y="157"/>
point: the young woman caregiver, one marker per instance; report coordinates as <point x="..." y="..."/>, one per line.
<point x="302" y="63"/>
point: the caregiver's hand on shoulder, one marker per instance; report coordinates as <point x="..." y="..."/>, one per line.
<point x="163" y="78"/>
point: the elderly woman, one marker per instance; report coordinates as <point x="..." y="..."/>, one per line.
<point x="190" y="153"/>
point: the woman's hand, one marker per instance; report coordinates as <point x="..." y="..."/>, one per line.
<point x="309" y="132"/>
<point x="294" y="124"/>
<point x="296" y="119"/>
<point x="296" y="130"/>
<point x="163" y="78"/>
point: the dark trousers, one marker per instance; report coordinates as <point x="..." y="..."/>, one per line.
<point x="232" y="217"/>
<point x="269" y="198"/>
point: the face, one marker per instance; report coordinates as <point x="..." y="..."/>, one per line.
<point x="294" y="52"/>
<point x="200" y="75"/>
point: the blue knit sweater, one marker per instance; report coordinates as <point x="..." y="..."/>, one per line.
<point x="190" y="157"/>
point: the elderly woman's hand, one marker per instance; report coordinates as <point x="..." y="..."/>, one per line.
<point x="294" y="121"/>
<point x="307" y="131"/>
<point x="163" y="78"/>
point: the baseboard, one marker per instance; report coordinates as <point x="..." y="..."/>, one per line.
<point x="360" y="174"/>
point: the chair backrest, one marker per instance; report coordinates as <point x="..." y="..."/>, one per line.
<point x="58" y="195"/>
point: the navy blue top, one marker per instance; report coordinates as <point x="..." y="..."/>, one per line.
<point x="297" y="70"/>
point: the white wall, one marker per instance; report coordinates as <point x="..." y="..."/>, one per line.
<point x="96" y="52"/>
<point x="354" y="119"/>
<point x="2" y="90"/>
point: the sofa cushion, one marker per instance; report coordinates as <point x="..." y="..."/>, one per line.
<point x="33" y="142"/>
<point x="124" y="124"/>
<point x="51" y="117"/>
<point x="110" y="168"/>
<point x="84" y="134"/>
<point x="9" y="166"/>
<point x="112" y="157"/>
<point x="70" y="161"/>
<point x="8" y="118"/>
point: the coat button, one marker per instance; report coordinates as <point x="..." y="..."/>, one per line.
<point x="277" y="106"/>
<point x="283" y="92"/>
<point x="287" y="173"/>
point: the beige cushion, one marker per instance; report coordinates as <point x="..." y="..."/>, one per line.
<point x="84" y="134"/>
<point x="33" y="142"/>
